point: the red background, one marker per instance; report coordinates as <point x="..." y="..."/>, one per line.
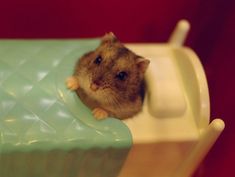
<point x="212" y="37"/>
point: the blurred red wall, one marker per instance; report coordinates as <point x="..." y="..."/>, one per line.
<point x="212" y="37"/>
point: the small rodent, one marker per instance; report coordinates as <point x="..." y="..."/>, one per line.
<point x="110" y="79"/>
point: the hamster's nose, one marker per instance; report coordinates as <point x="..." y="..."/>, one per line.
<point x="94" y="87"/>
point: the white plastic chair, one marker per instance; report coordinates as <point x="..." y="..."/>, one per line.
<point x="172" y="134"/>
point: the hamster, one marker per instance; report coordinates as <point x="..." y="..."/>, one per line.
<point x="110" y="79"/>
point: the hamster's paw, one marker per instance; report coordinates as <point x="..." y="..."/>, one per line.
<point x="72" y="83"/>
<point x="99" y="113"/>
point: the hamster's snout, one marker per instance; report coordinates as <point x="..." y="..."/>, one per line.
<point x="94" y="86"/>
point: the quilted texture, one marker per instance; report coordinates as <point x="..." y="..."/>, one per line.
<point x="39" y="115"/>
<point x="35" y="105"/>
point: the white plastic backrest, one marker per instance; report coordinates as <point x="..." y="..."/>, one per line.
<point x="166" y="97"/>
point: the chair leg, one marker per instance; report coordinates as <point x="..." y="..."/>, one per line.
<point x="206" y="141"/>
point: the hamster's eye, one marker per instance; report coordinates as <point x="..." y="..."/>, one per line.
<point x="98" y="60"/>
<point x="122" y="75"/>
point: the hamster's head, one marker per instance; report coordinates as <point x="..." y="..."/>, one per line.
<point x="112" y="71"/>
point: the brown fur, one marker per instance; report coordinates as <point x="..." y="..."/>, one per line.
<point x="120" y="98"/>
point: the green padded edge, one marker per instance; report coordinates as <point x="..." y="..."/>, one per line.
<point x="37" y="111"/>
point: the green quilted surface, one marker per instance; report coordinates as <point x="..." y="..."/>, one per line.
<point x="36" y="109"/>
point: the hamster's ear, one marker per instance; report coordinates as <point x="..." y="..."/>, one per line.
<point x="109" y="37"/>
<point x="142" y="64"/>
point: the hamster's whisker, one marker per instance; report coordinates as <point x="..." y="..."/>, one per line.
<point x="114" y="100"/>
